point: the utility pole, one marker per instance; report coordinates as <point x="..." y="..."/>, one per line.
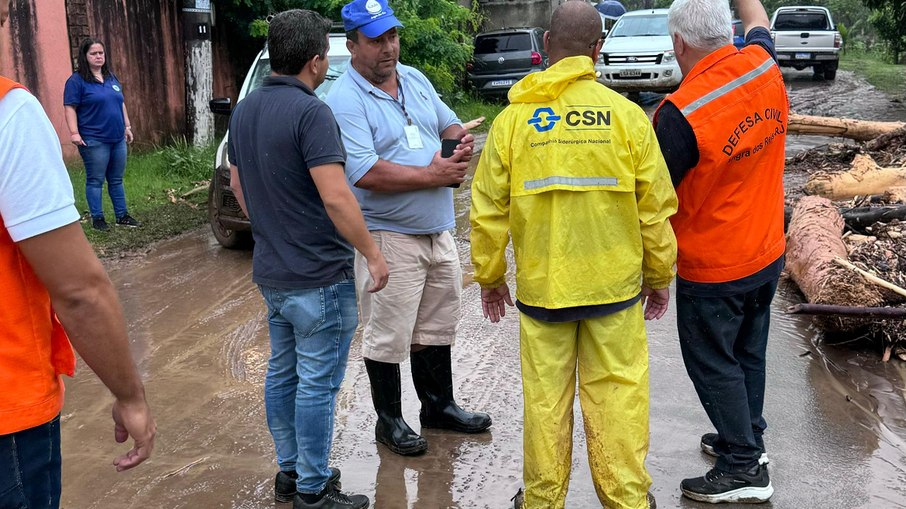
<point x="198" y="17"/>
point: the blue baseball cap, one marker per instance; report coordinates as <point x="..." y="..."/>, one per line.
<point x="372" y="17"/>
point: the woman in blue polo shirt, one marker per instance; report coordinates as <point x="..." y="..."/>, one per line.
<point x="99" y="126"/>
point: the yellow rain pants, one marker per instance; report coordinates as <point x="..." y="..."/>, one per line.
<point x="612" y="357"/>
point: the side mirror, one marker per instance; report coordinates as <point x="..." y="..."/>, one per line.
<point x="221" y="105"/>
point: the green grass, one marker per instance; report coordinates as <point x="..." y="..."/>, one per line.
<point x="887" y="77"/>
<point x="156" y="186"/>
<point x="469" y="107"/>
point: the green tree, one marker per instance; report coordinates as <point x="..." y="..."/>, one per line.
<point x="436" y="37"/>
<point x="889" y="19"/>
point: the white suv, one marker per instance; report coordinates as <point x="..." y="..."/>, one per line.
<point x="638" y="54"/>
<point x="230" y="226"/>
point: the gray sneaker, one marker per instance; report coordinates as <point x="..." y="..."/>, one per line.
<point x="709" y="441"/>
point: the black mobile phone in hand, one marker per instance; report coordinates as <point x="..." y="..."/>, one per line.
<point x="447" y="147"/>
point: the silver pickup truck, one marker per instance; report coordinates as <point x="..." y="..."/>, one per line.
<point x="806" y="37"/>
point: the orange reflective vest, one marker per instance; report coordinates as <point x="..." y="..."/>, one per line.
<point x="730" y="219"/>
<point x="34" y="348"/>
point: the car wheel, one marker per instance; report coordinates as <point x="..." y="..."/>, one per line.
<point x="230" y="239"/>
<point x="635" y="97"/>
<point x="830" y="71"/>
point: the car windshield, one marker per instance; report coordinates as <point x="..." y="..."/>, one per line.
<point x="800" y="21"/>
<point x="338" y="65"/>
<point x="502" y="43"/>
<point x="640" y="26"/>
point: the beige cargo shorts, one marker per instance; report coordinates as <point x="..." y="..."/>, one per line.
<point x="419" y="305"/>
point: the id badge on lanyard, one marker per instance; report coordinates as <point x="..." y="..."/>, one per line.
<point x="413" y="138"/>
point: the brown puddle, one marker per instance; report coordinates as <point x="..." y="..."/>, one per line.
<point x="836" y="417"/>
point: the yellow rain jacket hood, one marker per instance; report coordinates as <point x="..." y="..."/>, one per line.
<point x="572" y="170"/>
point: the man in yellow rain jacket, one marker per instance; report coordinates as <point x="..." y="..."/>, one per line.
<point x="572" y="170"/>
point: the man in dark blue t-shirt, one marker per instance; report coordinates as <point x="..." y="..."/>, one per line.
<point x="286" y="168"/>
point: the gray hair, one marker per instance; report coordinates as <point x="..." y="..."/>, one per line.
<point x="703" y="24"/>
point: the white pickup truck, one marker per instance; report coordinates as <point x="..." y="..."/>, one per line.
<point x="806" y="37"/>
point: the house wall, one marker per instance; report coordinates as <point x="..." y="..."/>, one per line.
<point x="34" y="50"/>
<point x="145" y="48"/>
<point x="517" y="13"/>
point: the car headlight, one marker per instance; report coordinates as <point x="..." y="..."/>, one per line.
<point x="669" y="57"/>
<point x="601" y="57"/>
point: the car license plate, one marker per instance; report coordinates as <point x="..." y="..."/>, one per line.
<point x="631" y="73"/>
<point x="803" y="56"/>
<point x="502" y="83"/>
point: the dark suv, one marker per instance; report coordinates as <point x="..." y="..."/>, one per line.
<point x="503" y="57"/>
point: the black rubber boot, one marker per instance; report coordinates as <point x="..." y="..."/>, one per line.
<point x="432" y="373"/>
<point x="391" y="429"/>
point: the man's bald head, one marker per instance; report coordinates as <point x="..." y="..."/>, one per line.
<point x="575" y="29"/>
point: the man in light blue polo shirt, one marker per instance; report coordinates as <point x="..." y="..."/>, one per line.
<point x="392" y="123"/>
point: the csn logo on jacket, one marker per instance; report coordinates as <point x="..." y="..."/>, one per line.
<point x="577" y="118"/>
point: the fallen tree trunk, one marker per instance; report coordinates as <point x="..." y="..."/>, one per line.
<point x="813" y="242"/>
<point x="861" y="311"/>
<point x="864" y="177"/>
<point x="860" y="130"/>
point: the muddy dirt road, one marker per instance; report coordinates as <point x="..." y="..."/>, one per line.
<point x="837" y="418"/>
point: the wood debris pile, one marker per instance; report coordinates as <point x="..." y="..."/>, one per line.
<point x="847" y="234"/>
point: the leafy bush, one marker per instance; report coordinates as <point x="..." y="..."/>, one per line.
<point x="437" y="38"/>
<point x="185" y="161"/>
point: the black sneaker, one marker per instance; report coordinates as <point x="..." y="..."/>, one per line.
<point x="332" y="498"/>
<point x="752" y="487"/>
<point x="285" y="484"/>
<point x="652" y="503"/>
<point x="127" y="220"/>
<point x="99" y="223"/>
<point x="709" y="441"/>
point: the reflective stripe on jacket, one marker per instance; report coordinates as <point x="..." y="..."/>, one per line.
<point x="730" y="219"/>
<point x="34" y="348"/>
<point x="573" y="171"/>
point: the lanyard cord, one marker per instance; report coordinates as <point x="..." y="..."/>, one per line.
<point x="401" y="102"/>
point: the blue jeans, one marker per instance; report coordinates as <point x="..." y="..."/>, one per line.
<point x="30" y="468"/>
<point x="104" y="161"/>
<point x="724" y="342"/>
<point x="310" y="331"/>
